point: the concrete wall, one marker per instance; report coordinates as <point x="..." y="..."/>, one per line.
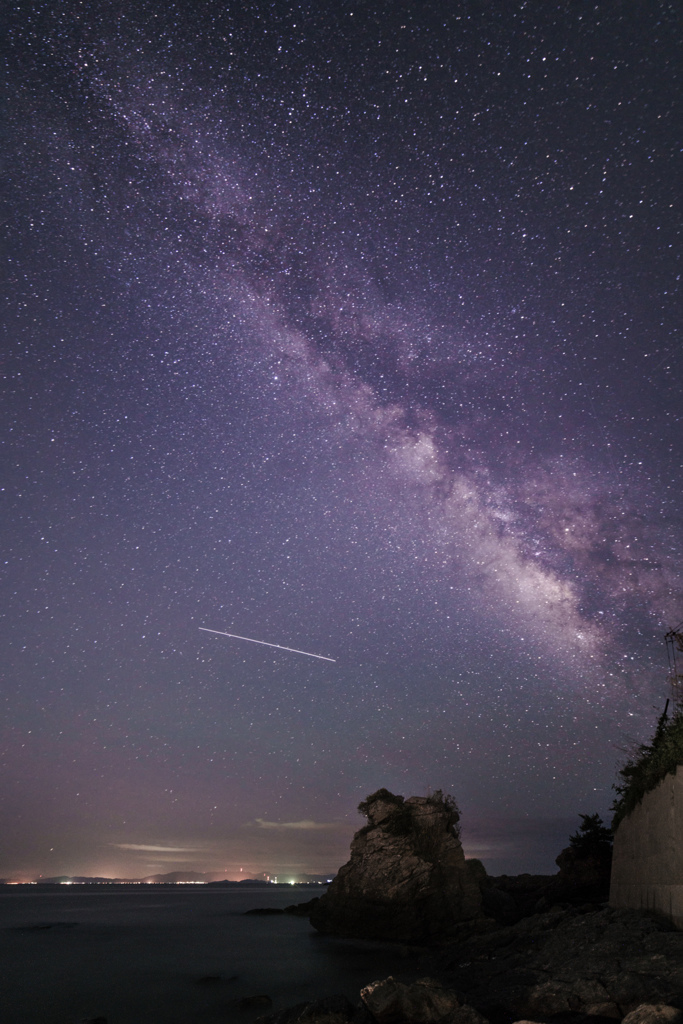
<point x="647" y="870"/>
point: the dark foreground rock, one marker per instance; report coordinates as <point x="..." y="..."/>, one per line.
<point x="508" y="898"/>
<point x="334" y="1009"/>
<point x="584" y="873"/>
<point x="424" y="1002"/>
<point x="428" y="1001"/>
<point x="385" y="1002"/>
<point x="583" y="878"/>
<point x="603" y="963"/>
<point x="407" y="879"/>
<point x="657" y="1013"/>
<point x="568" y="965"/>
<point x="303" y="909"/>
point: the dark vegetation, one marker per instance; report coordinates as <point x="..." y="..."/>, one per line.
<point x="438" y="798"/>
<point x="400" y="823"/>
<point x="381" y="794"/>
<point x="593" y="837"/>
<point x="650" y="763"/>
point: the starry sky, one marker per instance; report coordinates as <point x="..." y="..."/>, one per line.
<point x="352" y="328"/>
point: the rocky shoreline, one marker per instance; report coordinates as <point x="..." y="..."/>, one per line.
<point x="568" y="965"/>
<point x="544" y="948"/>
<point x="596" y="962"/>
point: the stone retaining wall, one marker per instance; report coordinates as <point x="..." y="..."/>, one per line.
<point x="647" y="870"/>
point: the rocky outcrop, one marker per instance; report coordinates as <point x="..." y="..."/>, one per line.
<point x="562" y="966"/>
<point x="584" y="875"/>
<point x="603" y="963"/>
<point x="407" y="879"/>
<point x="428" y="1001"/>
<point x="507" y="898"/>
<point x="582" y="880"/>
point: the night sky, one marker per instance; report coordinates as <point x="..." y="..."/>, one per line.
<point x="353" y="328"/>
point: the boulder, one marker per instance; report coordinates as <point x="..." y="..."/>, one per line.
<point x="654" y="1013"/>
<point x="407" y="879"/>
<point x="594" y="999"/>
<point x="424" y="1002"/>
<point x="583" y="995"/>
<point x="549" y="998"/>
<point x="466" y="1015"/>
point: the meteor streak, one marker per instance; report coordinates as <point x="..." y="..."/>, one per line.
<point x="293" y="650"/>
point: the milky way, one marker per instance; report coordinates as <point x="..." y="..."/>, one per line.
<point x="355" y="329"/>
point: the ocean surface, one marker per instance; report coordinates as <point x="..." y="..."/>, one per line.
<point x="170" y="955"/>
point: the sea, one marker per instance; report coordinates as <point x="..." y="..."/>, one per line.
<point x="171" y="954"/>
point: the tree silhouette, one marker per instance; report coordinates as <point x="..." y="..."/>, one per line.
<point x="593" y="836"/>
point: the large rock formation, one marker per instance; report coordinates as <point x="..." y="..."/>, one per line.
<point x="407" y="879"/>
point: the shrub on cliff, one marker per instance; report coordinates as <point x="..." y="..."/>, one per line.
<point x="650" y="764"/>
<point x="398" y="821"/>
<point x="381" y="794"/>
<point x="441" y="799"/>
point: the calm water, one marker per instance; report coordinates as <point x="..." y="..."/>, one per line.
<point x="138" y="956"/>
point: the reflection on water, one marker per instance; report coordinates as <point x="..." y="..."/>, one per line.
<point x="177" y="956"/>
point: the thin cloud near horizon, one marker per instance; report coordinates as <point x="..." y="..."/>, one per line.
<point x="159" y="849"/>
<point x="304" y="825"/>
